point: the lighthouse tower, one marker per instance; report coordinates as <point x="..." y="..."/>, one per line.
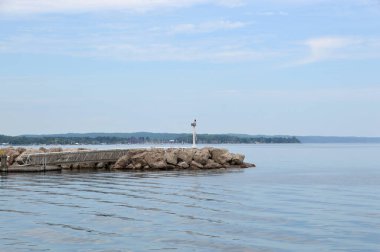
<point x="194" y="124"/>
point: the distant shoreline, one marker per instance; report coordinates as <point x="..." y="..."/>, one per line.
<point x="142" y="138"/>
<point x="149" y="138"/>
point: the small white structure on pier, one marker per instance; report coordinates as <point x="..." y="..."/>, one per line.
<point x="194" y="124"/>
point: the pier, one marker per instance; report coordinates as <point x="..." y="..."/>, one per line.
<point x="55" y="160"/>
<point x="58" y="158"/>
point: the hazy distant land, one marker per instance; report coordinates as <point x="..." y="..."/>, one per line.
<point x="179" y="138"/>
<point x="142" y="138"/>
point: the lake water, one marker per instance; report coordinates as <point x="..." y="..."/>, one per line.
<point x="299" y="198"/>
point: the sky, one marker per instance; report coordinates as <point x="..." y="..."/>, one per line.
<point x="274" y="67"/>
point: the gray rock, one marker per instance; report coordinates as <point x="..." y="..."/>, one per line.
<point x="183" y="165"/>
<point x="12" y="155"/>
<point x="171" y="156"/>
<point x="130" y="167"/>
<point x="196" y="165"/>
<point x="123" y="162"/>
<point x="211" y="164"/>
<point x="138" y="160"/>
<point x="221" y="156"/>
<point x="202" y="156"/>
<point x="247" y="165"/>
<point x="137" y="166"/>
<point x="155" y="158"/>
<point x="237" y="159"/>
<point x="186" y="155"/>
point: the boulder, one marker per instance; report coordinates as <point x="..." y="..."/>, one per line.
<point x="183" y="165"/>
<point x="221" y="156"/>
<point x="125" y="160"/>
<point x="171" y="156"/>
<point x="211" y="164"/>
<point x="155" y="158"/>
<point x="186" y="155"/>
<point x="170" y="167"/>
<point x="247" y="165"/>
<point x="129" y="167"/>
<point x="237" y="159"/>
<point x="12" y="155"/>
<point x="138" y="160"/>
<point x="202" y="156"/>
<point x="196" y="165"/>
<point x="122" y="162"/>
<point x="137" y="166"/>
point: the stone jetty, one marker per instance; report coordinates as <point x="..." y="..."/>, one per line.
<point x="43" y="159"/>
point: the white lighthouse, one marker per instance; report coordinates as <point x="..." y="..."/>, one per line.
<point x="194" y="124"/>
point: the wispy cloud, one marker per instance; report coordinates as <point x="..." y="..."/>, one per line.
<point x="207" y="26"/>
<point x="133" y="49"/>
<point x="48" y="6"/>
<point x="272" y="13"/>
<point x="205" y="51"/>
<point x="328" y="47"/>
<point x="345" y="94"/>
<point x="335" y="48"/>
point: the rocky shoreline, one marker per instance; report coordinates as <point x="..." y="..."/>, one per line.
<point x="134" y="160"/>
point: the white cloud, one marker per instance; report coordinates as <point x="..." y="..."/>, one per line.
<point x="328" y="47"/>
<point x="335" y="48"/>
<point x="132" y="49"/>
<point x="273" y="13"/>
<point x="207" y="27"/>
<point x="48" y="6"/>
<point x="172" y="52"/>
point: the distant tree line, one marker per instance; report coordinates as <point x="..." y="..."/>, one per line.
<point x="138" y="139"/>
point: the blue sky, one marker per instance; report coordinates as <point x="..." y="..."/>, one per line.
<point x="297" y="67"/>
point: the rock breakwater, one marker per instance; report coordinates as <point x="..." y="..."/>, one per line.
<point x="131" y="159"/>
<point x="180" y="158"/>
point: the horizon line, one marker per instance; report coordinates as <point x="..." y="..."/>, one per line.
<point x="200" y="133"/>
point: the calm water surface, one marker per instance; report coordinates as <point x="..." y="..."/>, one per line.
<point x="299" y="198"/>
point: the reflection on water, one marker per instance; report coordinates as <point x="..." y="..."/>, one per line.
<point x="300" y="198"/>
